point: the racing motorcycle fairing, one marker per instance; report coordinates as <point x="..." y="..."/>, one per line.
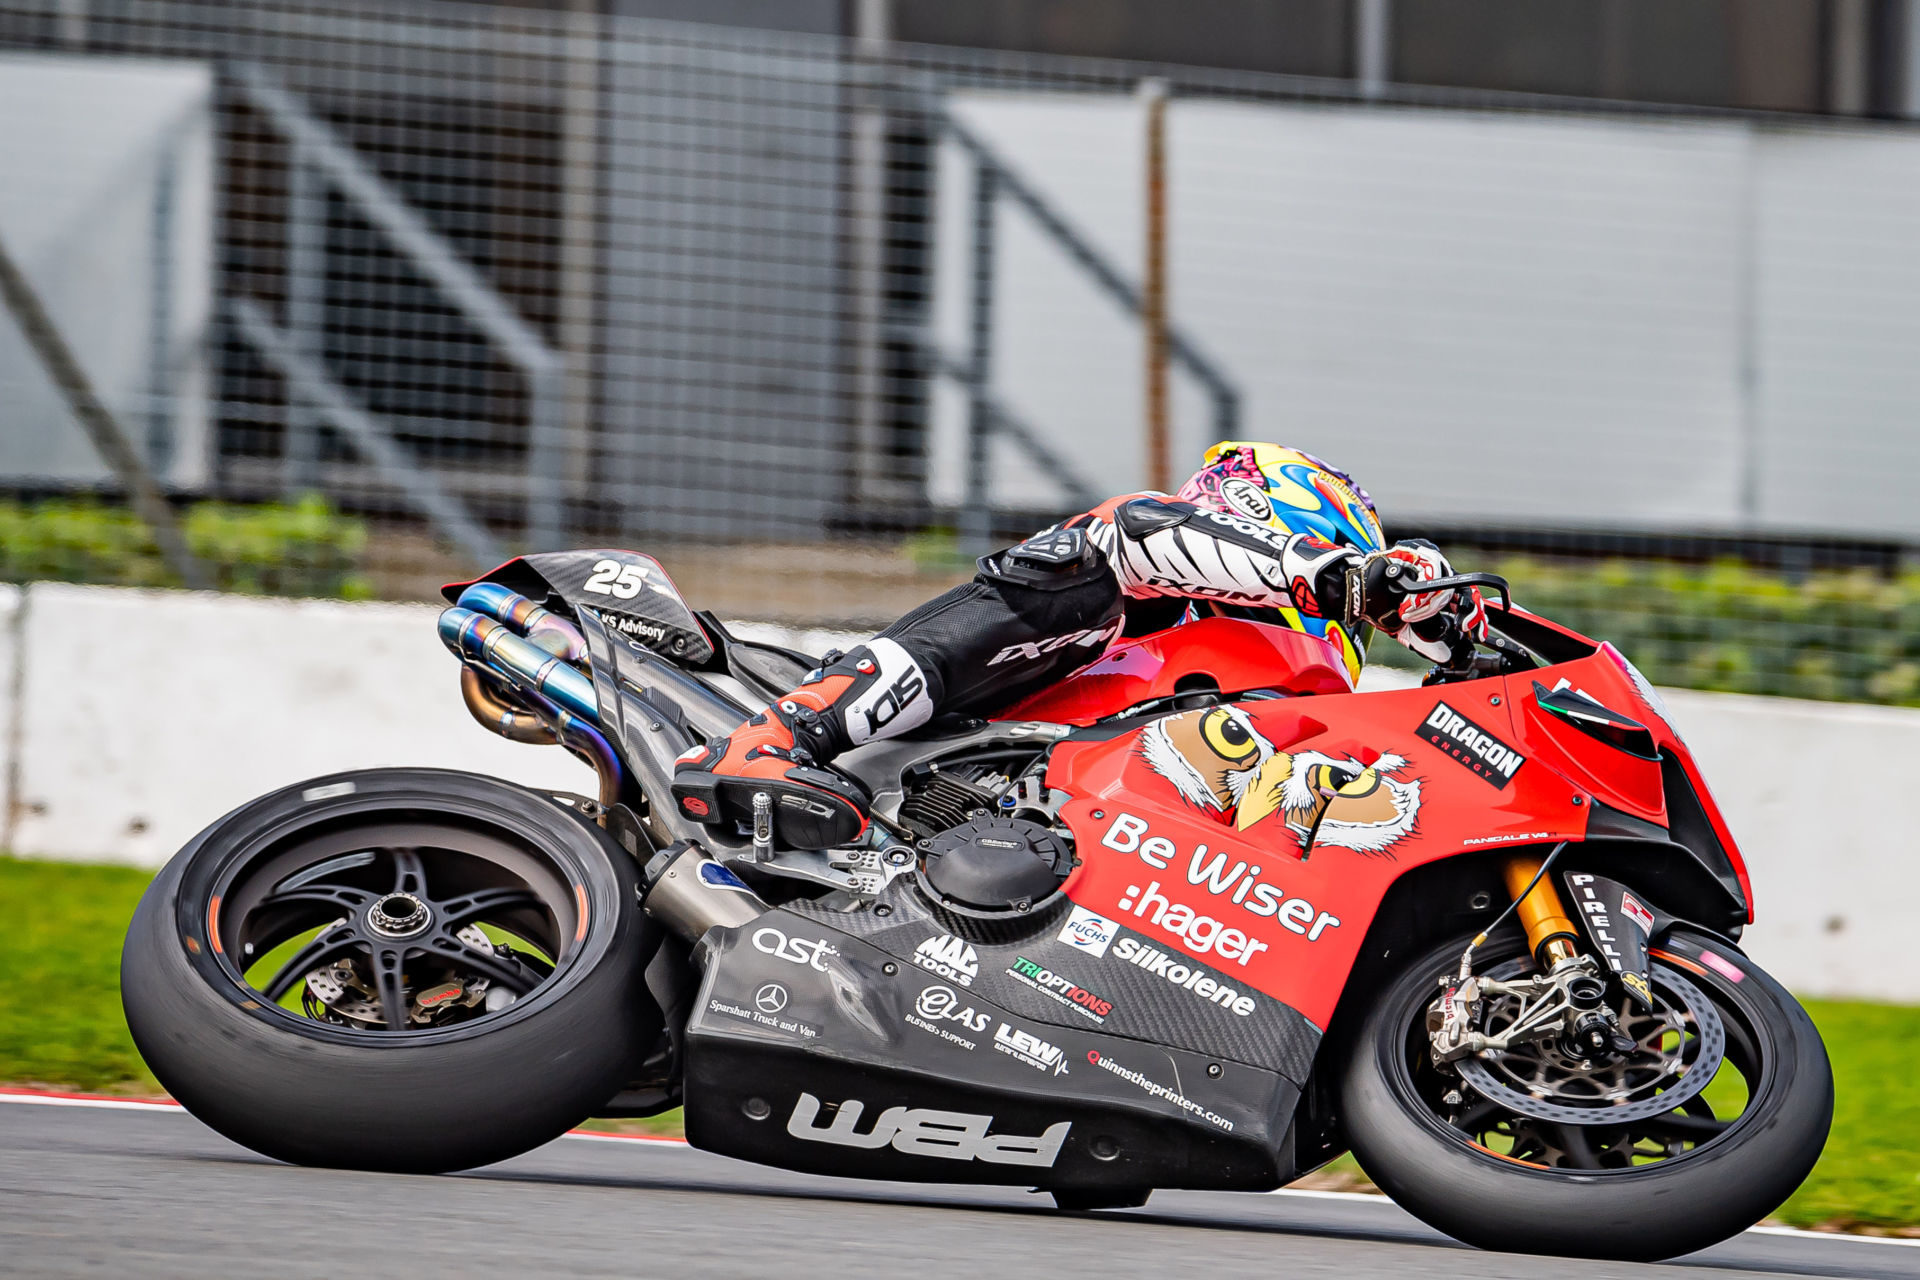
<point x="1158" y="1023"/>
<point x="1229" y="655"/>
<point x="882" y="1045"/>
<point x="1262" y="836"/>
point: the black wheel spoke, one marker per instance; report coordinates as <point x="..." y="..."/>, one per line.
<point x="1573" y="1142"/>
<point x="328" y="944"/>
<point x="388" y="964"/>
<point x="486" y="964"/>
<point x="455" y="912"/>
<point x="1477" y="1116"/>
<point x="373" y="917"/>
<point x="341" y="896"/>
<point x="409" y="873"/>
<point x="1678" y="1123"/>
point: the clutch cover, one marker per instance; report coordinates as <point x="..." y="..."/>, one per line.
<point x="994" y="867"/>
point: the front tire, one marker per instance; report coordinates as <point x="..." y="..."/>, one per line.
<point x="391" y="1065"/>
<point x="1632" y="1198"/>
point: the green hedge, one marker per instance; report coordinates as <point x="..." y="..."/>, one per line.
<point x="299" y="549"/>
<point x="1850" y="636"/>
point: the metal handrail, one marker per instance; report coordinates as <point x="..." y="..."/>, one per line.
<point x="308" y="378"/>
<point x="316" y="143"/>
<point x="1182" y="347"/>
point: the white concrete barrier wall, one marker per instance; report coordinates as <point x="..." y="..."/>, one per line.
<point x="129" y="720"/>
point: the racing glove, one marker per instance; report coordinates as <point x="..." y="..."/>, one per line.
<point x="1423" y="621"/>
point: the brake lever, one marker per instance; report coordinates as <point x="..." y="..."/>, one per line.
<point x="1490" y="581"/>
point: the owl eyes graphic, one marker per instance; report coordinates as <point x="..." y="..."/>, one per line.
<point x="1228" y="736"/>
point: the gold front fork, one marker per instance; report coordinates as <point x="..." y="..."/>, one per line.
<point x="1551" y="935"/>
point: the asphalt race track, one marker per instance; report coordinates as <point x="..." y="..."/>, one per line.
<point x="151" y="1192"/>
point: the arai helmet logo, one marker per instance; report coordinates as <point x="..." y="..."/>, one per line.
<point x="1247" y="498"/>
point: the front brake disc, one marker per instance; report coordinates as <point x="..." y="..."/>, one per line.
<point x="1541" y="1081"/>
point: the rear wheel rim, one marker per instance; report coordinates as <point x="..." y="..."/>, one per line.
<point x="391" y="931"/>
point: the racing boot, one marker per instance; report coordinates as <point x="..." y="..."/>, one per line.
<point x="875" y="691"/>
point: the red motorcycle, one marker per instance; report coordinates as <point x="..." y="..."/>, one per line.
<point x="1199" y="916"/>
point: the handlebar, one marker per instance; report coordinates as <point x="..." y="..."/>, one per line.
<point x="1399" y="578"/>
<point x="1464" y="661"/>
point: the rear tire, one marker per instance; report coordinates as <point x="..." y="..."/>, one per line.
<point x="1640" y="1212"/>
<point x="426" y="1100"/>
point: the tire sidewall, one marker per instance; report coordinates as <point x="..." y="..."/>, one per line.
<point x="1655" y="1211"/>
<point x="510" y="1082"/>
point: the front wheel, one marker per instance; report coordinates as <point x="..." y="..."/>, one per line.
<point x="1717" y="1115"/>
<point x="406" y="970"/>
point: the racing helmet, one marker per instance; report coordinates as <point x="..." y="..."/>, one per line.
<point x="1291" y="492"/>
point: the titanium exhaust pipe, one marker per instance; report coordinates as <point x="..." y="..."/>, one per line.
<point x="529" y="667"/>
<point x="494" y="715"/>
<point x="543" y="627"/>
<point x="690" y="893"/>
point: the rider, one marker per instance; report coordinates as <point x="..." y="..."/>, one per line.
<point x="1259" y="531"/>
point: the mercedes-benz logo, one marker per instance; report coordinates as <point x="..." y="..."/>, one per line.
<point x="771" y="998"/>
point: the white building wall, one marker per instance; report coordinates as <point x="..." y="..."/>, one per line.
<point x="1498" y="317"/>
<point x="86" y="144"/>
<point x="145" y="715"/>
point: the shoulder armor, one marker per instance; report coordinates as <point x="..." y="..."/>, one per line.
<point x="1143" y="516"/>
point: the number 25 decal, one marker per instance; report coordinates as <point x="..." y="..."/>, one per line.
<point x="611" y="578"/>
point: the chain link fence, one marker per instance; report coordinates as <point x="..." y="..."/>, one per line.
<point x="378" y="293"/>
